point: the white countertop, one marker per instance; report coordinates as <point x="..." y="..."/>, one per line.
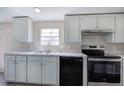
<point x="50" y="53"/>
<point x="122" y="56"/>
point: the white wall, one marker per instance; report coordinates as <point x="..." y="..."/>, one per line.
<point x="7" y="42"/>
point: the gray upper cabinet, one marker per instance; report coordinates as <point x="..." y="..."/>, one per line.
<point x="114" y="23"/>
<point x="88" y="22"/>
<point x="72" y="29"/>
<point x="119" y="28"/>
<point x="106" y="22"/>
<point x="97" y="22"/>
<point x="75" y="24"/>
<point x="22" y="29"/>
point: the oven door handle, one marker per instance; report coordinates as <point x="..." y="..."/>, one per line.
<point x="107" y="60"/>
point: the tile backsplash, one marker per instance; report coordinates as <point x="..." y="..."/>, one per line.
<point x="114" y="48"/>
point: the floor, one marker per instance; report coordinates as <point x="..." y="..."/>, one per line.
<point x="2" y="80"/>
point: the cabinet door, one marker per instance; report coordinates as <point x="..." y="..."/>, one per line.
<point x="119" y="29"/>
<point x="22" y="29"/>
<point x="88" y="22"/>
<point x="21" y="71"/>
<point x="72" y="29"/>
<point x="106" y="22"/>
<point x="10" y="70"/>
<point x="34" y="69"/>
<point x="50" y="70"/>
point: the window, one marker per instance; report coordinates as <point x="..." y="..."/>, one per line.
<point x="50" y="36"/>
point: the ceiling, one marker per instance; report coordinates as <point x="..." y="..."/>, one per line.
<point x="51" y="13"/>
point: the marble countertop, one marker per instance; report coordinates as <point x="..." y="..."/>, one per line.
<point x="49" y="54"/>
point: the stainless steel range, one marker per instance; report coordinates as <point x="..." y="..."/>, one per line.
<point x="103" y="69"/>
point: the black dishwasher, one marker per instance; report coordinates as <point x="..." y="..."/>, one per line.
<point x="71" y="71"/>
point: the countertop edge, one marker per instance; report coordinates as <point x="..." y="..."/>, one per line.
<point x="59" y="54"/>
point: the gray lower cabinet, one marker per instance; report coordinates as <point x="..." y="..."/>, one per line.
<point x="10" y="68"/>
<point x="43" y="70"/>
<point x="21" y="68"/>
<point x="21" y="71"/>
<point x="10" y="71"/>
<point x="50" y="70"/>
<point x="32" y="69"/>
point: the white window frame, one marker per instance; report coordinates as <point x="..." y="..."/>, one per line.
<point x="50" y="37"/>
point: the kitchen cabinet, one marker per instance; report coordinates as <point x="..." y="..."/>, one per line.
<point x="34" y="69"/>
<point x="43" y="70"/>
<point x="75" y="24"/>
<point x="106" y="22"/>
<point x="50" y="70"/>
<point x="22" y="29"/>
<point x="88" y="22"/>
<point x="119" y="29"/>
<point x="97" y="22"/>
<point x="72" y="29"/>
<point x="21" y="68"/>
<point x="10" y="68"/>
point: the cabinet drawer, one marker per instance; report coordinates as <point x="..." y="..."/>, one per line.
<point x="34" y="58"/>
<point x="10" y="58"/>
<point x="21" y="58"/>
<point x="49" y="59"/>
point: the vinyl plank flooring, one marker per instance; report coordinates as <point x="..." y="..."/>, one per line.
<point x="2" y="80"/>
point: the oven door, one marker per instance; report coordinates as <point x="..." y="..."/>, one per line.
<point x="104" y="71"/>
<point x="113" y="71"/>
<point x="96" y="71"/>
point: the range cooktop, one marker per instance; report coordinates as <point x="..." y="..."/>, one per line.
<point x="98" y="54"/>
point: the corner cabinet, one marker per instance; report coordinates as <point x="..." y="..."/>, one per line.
<point x="72" y="29"/>
<point x="22" y="29"/>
